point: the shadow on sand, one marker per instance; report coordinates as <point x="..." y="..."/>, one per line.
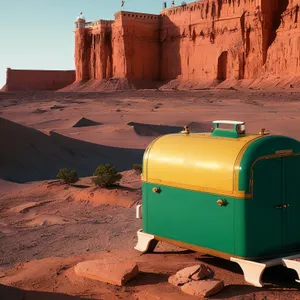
<point x="153" y="130"/>
<point x="27" y="154"/>
<point x="12" y="293"/>
<point x="142" y="129"/>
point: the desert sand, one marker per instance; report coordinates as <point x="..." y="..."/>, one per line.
<point x="46" y="227"/>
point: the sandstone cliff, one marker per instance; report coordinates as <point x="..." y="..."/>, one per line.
<point x="283" y="54"/>
<point x="206" y="42"/>
<point x="37" y="80"/>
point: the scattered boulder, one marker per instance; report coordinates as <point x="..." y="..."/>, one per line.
<point x="188" y="272"/>
<point x="191" y="280"/>
<point x="114" y="273"/>
<point x="197" y="272"/>
<point x="203" y="272"/>
<point x="84" y="122"/>
<point x="203" y="288"/>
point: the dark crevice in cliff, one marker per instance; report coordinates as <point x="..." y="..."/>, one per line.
<point x="242" y="65"/>
<point x="242" y="22"/>
<point x="222" y="66"/>
<point x="282" y="5"/>
<point x="272" y="21"/>
<point x="296" y="13"/>
<point x="194" y="35"/>
<point x="248" y="41"/>
<point x="213" y="10"/>
<point x="220" y="2"/>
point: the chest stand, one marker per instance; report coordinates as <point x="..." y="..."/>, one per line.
<point x="253" y="270"/>
<point x="146" y="242"/>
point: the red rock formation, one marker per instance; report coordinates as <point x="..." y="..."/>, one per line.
<point x="284" y="53"/>
<point x="25" y="80"/>
<point x="204" y="40"/>
<point x="126" y="48"/>
<point x="141" y="45"/>
<point x="209" y="40"/>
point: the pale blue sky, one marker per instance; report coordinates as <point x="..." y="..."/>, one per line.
<point x="38" y="34"/>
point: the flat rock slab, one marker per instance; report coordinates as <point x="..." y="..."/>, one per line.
<point x="188" y="272"/>
<point x="197" y="272"/>
<point x="203" y="288"/>
<point x="178" y="281"/>
<point x="113" y="273"/>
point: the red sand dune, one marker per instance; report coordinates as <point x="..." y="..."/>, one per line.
<point x="29" y="155"/>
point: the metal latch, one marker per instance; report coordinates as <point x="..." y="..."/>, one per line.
<point x="282" y="206"/>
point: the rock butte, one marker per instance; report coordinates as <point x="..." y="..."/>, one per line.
<point x="247" y="43"/>
<point x="204" y="41"/>
<point x="41" y="80"/>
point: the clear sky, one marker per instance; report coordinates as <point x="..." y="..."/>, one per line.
<point x="38" y="34"/>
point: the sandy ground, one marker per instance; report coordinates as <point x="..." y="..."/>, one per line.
<point x="46" y="227"/>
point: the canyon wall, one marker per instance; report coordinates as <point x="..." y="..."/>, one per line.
<point x="140" y="37"/>
<point x="31" y="80"/>
<point x="205" y="40"/>
<point x="208" y="40"/>
<point x="81" y="55"/>
<point x="283" y="57"/>
<point x="126" y="48"/>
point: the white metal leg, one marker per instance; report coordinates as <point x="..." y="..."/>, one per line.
<point x="252" y="270"/>
<point x="144" y="241"/>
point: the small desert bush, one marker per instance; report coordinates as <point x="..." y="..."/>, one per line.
<point x="106" y="176"/>
<point x="138" y="168"/>
<point x="68" y="176"/>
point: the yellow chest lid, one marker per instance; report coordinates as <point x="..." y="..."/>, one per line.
<point x="196" y="161"/>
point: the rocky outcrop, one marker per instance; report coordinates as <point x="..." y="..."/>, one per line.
<point x="126" y="48"/>
<point x="197" y="272"/>
<point x="283" y="57"/>
<point x="197" y="281"/>
<point x="202" y="43"/>
<point x="37" y="80"/>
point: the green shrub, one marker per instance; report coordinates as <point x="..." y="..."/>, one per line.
<point x="138" y="168"/>
<point x="68" y="176"/>
<point x="106" y="176"/>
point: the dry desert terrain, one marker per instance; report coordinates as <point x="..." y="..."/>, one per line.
<point x="47" y="227"/>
